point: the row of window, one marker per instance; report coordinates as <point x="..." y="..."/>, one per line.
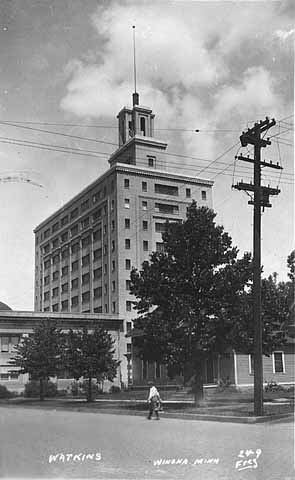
<point x="96" y="272"/>
<point x="8" y="342"/>
<point x="73" y="232"/>
<point x="85" y="280"/>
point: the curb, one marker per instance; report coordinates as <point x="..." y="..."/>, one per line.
<point x="176" y="416"/>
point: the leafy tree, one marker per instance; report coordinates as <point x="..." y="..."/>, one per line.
<point x="190" y="298"/>
<point x="40" y="355"/>
<point x="90" y="355"/>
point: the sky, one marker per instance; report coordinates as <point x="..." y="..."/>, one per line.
<point x="66" y="70"/>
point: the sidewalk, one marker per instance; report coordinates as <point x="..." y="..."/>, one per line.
<point x="235" y="412"/>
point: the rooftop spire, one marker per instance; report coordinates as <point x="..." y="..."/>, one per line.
<point x="135" y="96"/>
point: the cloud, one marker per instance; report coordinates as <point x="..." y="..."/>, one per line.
<point x="199" y="65"/>
<point x="283" y="35"/>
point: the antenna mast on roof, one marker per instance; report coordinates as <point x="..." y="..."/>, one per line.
<point x="135" y="95"/>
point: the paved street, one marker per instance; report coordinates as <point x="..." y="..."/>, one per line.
<point x="121" y="447"/>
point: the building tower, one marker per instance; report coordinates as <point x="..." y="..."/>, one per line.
<point x="85" y="250"/>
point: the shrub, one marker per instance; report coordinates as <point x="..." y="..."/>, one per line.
<point x="81" y="388"/>
<point x="115" y="389"/>
<point x="32" y="389"/>
<point x="4" y="392"/>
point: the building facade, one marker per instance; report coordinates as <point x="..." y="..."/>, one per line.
<point x="15" y="325"/>
<point x="84" y="251"/>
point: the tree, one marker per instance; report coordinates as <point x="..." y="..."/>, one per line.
<point x="190" y="297"/>
<point x="90" y="355"/>
<point x="40" y="354"/>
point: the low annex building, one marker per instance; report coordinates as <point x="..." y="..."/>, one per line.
<point x="14" y="325"/>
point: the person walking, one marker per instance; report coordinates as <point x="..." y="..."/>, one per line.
<point x="154" y="401"/>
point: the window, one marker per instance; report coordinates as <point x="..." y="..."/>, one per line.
<point x="75" y="301"/>
<point x="55" y="227"/>
<point x="105" y="269"/>
<point x="74" y="213"/>
<point x="64" y="220"/>
<point x="127" y="264"/>
<point x="144" y="368"/>
<point x="98" y="310"/>
<point x="97" y="235"/>
<point x="75" y="247"/>
<point x="127" y="243"/>
<point x="105" y="289"/>
<point x="96" y="215"/>
<point x="65" y="254"/>
<point x="128" y="285"/>
<point x="129" y="347"/>
<point x="97" y="273"/>
<point x="204" y="194"/>
<point x="157" y="369"/>
<point x="46" y="296"/>
<point x="160" y="247"/>
<point x="85" y="297"/>
<point x="64" y="288"/>
<point x="85" y="278"/>
<point x="126" y="183"/>
<point x="113" y="265"/>
<point x="46" y="280"/>
<point x="128" y="326"/>
<point x="85" y="260"/>
<point x="55" y="259"/>
<point x="104" y="191"/>
<point x="144" y="205"/>
<point x="128" y="306"/>
<point x="105" y="209"/>
<point x="47" y="264"/>
<point x="144" y="186"/>
<point x="127" y="222"/>
<point x="75" y="266"/>
<point x="105" y="249"/>
<point x="84" y="205"/>
<point x="112" y="205"/>
<point x="188" y="192"/>
<point x="112" y="185"/>
<point x="106" y="308"/>
<point x="85" y="222"/>
<point x="113" y="225"/>
<point x="97" y="254"/>
<point x="75" y="283"/>
<point x="4" y="344"/>
<point x="278" y="362"/>
<point x="145" y="244"/>
<point x="160" y="227"/>
<point x="104" y="229"/>
<point x="113" y="245"/>
<point x="55" y="243"/>
<point x="251" y="364"/>
<point x="46" y="233"/>
<point x="166" y="208"/>
<point x="46" y="248"/>
<point x="86" y="241"/>
<point x="113" y="307"/>
<point x="55" y="307"/>
<point x="142" y="126"/>
<point x="127" y="203"/>
<point x="151" y="161"/>
<point x="166" y="189"/>
<point x="113" y="286"/>
<point x="96" y="197"/>
<point x="74" y="230"/>
<point x="97" y="292"/>
<point x="64" y="271"/>
<point x="55" y="275"/>
<point x="144" y="225"/>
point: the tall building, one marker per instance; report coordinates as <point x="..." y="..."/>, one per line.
<point x="84" y="251"/>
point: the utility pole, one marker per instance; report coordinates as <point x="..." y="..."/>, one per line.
<point x="261" y="199"/>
